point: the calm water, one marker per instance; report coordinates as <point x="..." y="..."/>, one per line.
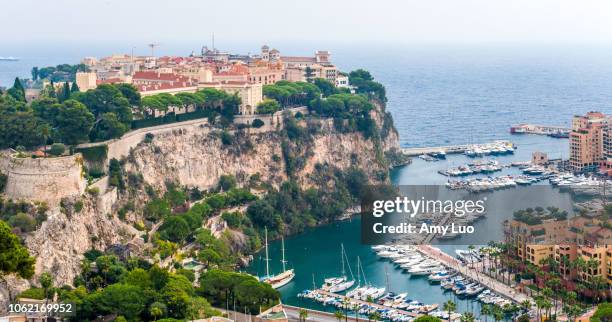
<point x="317" y="250"/>
<point x="437" y="96"/>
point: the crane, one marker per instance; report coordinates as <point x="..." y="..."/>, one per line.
<point x="152" y="46"/>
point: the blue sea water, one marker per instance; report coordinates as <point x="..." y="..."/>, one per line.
<point x="438" y="96"/>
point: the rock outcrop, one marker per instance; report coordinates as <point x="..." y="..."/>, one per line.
<point x="194" y="156"/>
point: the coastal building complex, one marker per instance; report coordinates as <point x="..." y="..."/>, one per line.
<point x="589" y="142"/>
<point x="244" y="75"/>
<point x="564" y="241"/>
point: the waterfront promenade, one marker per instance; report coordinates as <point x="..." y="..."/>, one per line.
<point x="474" y="274"/>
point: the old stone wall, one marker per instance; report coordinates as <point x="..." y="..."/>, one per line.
<point x="43" y="179"/>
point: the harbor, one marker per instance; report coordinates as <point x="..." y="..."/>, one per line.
<point x="460" y="276"/>
<point x="317" y="250"/>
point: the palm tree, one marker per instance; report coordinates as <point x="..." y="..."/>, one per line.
<point x="449" y="306"/>
<point x="467" y="317"/>
<point x="486" y="310"/>
<point x="498" y="314"/>
<point x="345" y="306"/>
<point x="526" y="305"/>
<point x="375" y="316"/>
<point x="303" y="315"/>
<point x="339" y="315"/>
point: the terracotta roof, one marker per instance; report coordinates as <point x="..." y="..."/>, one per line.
<point x="163" y="86"/>
<point x="155" y="76"/>
<point x="109" y="81"/>
<point x="296" y="59"/>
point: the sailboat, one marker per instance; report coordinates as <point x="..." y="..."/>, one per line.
<point x="282" y="279"/>
<point x="342" y="283"/>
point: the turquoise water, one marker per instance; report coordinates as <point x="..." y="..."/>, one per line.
<point x="317" y="251"/>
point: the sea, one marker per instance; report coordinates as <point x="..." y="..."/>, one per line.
<point x="438" y="95"/>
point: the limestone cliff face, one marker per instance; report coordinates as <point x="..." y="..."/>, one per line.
<point x="199" y="158"/>
<point x="192" y="156"/>
<point x="60" y="242"/>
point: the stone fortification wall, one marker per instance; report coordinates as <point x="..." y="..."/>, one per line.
<point x="43" y="179"/>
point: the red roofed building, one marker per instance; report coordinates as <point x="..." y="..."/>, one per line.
<point x="152" y="82"/>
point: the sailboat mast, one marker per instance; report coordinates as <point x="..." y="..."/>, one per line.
<point x="283" y="250"/>
<point x="267" y="255"/>
<point x="358" y="274"/>
<point x="342" y="257"/>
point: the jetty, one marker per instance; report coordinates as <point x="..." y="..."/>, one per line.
<point x="473" y="273"/>
<point x="453" y="149"/>
<point x="346" y="299"/>
<point x="554" y="131"/>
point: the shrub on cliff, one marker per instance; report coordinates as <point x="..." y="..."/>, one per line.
<point x="257" y="123"/>
<point x="156" y="209"/>
<point x="57" y="149"/>
<point x="227" y="138"/>
<point x="24" y="222"/>
<point x="14" y="257"/>
<point x="3" y="179"/>
<point x="174" y="229"/>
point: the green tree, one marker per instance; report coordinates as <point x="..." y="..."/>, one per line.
<point x="123" y="299"/>
<point x="74" y="122"/>
<point x="303" y="315"/>
<point x="130" y="92"/>
<point x="14" y="257"/>
<point x="34" y="73"/>
<point x="449" y="306"/>
<point x="268" y="106"/>
<point x="326" y="87"/>
<point x="46" y="282"/>
<point x="20" y="128"/>
<point x="226" y="182"/>
<point x="75" y="88"/>
<point x="427" y="318"/>
<point x="17" y="91"/>
<point x="64" y="92"/>
<point x="109" y="127"/>
<point x="174" y="229"/>
<point x="57" y="149"/>
<point x="157" y="209"/>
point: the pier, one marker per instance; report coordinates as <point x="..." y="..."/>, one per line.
<point x="473" y="273"/>
<point x="352" y="301"/>
<point x="556" y="131"/>
<point x="452" y="149"/>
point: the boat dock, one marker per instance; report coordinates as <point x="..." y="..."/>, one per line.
<point x="451" y="149"/>
<point x="554" y="131"/>
<point x="473" y="273"/>
<point x="347" y="299"/>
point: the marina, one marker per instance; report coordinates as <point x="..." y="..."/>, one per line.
<point x="310" y="253"/>
<point x="423" y="262"/>
<point x="440" y="152"/>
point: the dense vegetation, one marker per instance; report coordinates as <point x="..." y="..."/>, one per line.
<point x="59" y="73"/>
<point x="71" y="117"/>
<point x="535" y="216"/>
<point x="23" y="217"/>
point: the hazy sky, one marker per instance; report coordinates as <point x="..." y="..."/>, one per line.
<point x="403" y="22"/>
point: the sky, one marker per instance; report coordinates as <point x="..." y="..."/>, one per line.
<point x="239" y="24"/>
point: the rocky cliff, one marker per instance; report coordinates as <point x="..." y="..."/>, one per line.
<point x="197" y="157"/>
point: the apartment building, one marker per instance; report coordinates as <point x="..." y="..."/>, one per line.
<point x="587" y="141"/>
<point x="250" y="94"/>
